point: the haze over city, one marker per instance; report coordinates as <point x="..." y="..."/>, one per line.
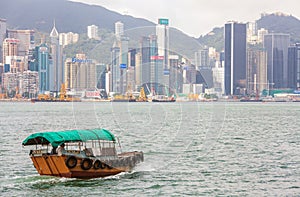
<point x="196" y="17"/>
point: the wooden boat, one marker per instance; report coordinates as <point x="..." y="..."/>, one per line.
<point x="86" y="154"/>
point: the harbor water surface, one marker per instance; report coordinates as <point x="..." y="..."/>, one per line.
<point x="190" y="149"/>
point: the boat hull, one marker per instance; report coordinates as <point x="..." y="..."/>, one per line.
<point x="158" y="100"/>
<point x="72" y="166"/>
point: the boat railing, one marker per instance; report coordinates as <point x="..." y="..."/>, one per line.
<point x="38" y="152"/>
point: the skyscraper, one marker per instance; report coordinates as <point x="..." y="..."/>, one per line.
<point x="256" y="71"/>
<point x="162" y="33"/>
<point x="294" y="66"/>
<point x="235" y="58"/>
<point x="115" y="69"/>
<point x="145" y="60"/>
<point x="56" y="64"/>
<point x="176" y="74"/>
<point x="43" y="68"/>
<point x="123" y="64"/>
<point x="276" y="45"/>
<point x="131" y="71"/>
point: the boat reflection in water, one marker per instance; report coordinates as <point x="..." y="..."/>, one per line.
<point x="86" y="154"/>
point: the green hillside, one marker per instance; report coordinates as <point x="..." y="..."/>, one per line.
<point x="75" y="17"/>
<point x="274" y="23"/>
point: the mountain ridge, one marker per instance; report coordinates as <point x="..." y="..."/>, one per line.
<point x="75" y="17"/>
<point x="274" y="23"/>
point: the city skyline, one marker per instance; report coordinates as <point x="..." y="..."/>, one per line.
<point x="152" y="62"/>
<point x="206" y="14"/>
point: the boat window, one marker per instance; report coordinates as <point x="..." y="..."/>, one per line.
<point x="74" y="146"/>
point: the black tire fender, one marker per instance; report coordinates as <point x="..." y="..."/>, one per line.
<point x="98" y="164"/>
<point x="86" y="164"/>
<point x="71" y="162"/>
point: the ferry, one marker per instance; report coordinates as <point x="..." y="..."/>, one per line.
<point x="161" y="98"/>
<point x="80" y="154"/>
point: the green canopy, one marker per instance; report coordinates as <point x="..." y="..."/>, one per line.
<point x="59" y="137"/>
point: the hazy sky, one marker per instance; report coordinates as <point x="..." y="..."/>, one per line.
<point x="198" y="17"/>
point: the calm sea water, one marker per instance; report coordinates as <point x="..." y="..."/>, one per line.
<point x="190" y="149"/>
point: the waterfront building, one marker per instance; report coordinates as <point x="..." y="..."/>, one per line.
<point x="100" y="76"/>
<point x="276" y="45"/>
<point x="10" y="81"/>
<point x="108" y="82"/>
<point x="29" y="84"/>
<point x="235" y="58"/>
<point x="294" y="66"/>
<point x="80" y="73"/>
<point x="162" y="33"/>
<point x="56" y="75"/>
<point x="22" y="83"/>
<point x="176" y="74"/>
<point x="92" y="32"/>
<point x="256" y="72"/>
<point x="218" y="78"/>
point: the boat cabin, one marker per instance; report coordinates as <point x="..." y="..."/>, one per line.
<point x="82" y="143"/>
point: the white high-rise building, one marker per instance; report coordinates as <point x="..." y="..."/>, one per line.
<point x="68" y="38"/>
<point x="119" y="29"/>
<point x="162" y="33"/>
<point x="92" y="32"/>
